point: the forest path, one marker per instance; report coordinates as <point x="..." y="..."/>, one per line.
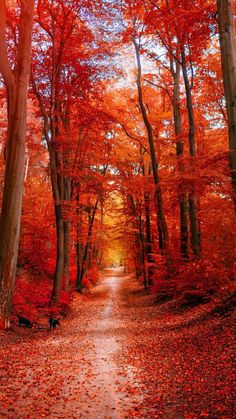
<point x="76" y="371"/>
<point x="117" y="355"/>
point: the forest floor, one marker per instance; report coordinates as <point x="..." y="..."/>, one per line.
<point x="119" y="354"/>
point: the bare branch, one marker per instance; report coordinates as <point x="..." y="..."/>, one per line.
<point x="133" y="138"/>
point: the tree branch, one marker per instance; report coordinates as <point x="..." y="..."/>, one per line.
<point x="133" y="138"/>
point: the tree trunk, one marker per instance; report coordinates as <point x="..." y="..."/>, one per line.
<point x="146" y="170"/>
<point x="86" y="249"/>
<point x="184" y="225"/>
<point x="17" y="90"/>
<point x="60" y="255"/>
<point x="148" y="243"/>
<point x="57" y="188"/>
<point x="66" y="274"/>
<point x="67" y="198"/>
<point x="183" y="200"/>
<point x="162" y="226"/>
<point x="142" y="251"/>
<point x="228" y="61"/>
<point x="79" y="247"/>
<point x="195" y="239"/>
<point x="100" y="245"/>
<point x="89" y="247"/>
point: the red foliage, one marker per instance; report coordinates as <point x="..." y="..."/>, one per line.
<point x="201" y="278"/>
<point x="32" y="297"/>
<point x="91" y="278"/>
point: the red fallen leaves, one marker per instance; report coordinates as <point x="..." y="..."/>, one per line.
<point x="182" y="362"/>
<point x="158" y="369"/>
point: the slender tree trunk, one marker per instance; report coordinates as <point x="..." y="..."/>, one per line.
<point x="81" y="271"/>
<point x="192" y="144"/>
<point x="148" y="240"/>
<point x="142" y="252"/>
<point x="136" y="264"/>
<point x="228" y="61"/>
<point x="138" y="256"/>
<point x="60" y="255"/>
<point x="184" y="225"/>
<point x="162" y="226"/>
<point x="17" y="90"/>
<point x="89" y="250"/>
<point x="79" y="246"/>
<point x="146" y="170"/>
<point x="66" y="274"/>
<point x="183" y="200"/>
<point x="100" y="249"/>
<point x="57" y="188"/>
<point x="86" y="249"/>
<point x="195" y="239"/>
<point x="67" y="198"/>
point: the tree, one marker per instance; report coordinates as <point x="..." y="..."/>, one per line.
<point x="228" y="60"/>
<point x="178" y="31"/>
<point x="16" y="82"/>
<point x="65" y="82"/>
<point x="183" y="199"/>
<point x="162" y="226"/>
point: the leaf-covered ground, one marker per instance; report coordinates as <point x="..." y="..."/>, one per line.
<point x="119" y="355"/>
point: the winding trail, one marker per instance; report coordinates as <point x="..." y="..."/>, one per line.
<point x="75" y="371"/>
<point x="120" y="355"/>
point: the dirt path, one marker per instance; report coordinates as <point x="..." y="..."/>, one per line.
<point x="120" y="355"/>
<point x="73" y="371"/>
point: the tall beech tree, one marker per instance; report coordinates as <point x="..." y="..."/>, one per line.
<point x="65" y="81"/>
<point x="162" y="225"/>
<point x="16" y="78"/>
<point x="183" y="198"/>
<point x="228" y="60"/>
<point x="193" y="217"/>
<point x="184" y="43"/>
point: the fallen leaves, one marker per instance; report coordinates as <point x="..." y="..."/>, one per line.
<point x="133" y="359"/>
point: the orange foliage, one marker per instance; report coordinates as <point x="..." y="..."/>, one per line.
<point x="96" y="93"/>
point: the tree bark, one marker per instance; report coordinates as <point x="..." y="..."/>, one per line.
<point x="86" y="249"/>
<point x="228" y="61"/>
<point x="60" y="255"/>
<point x="195" y="239"/>
<point x="146" y="169"/>
<point x="57" y="189"/>
<point x="162" y="226"/>
<point x="142" y="251"/>
<point x="148" y="240"/>
<point x="17" y="90"/>
<point x="183" y="200"/>
<point x="67" y="199"/>
<point x="79" y="246"/>
<point x="100" y="246"/>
